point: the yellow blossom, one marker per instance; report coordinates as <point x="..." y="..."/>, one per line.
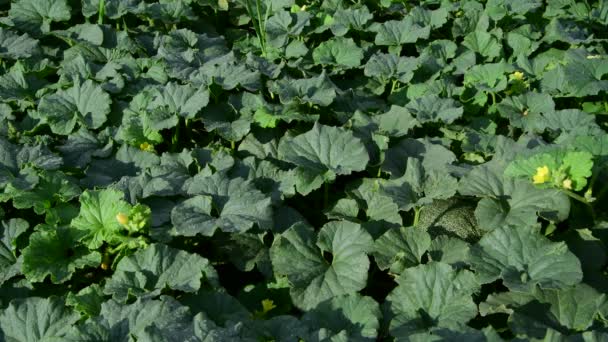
<point x="267" y="305"/>
<point x="146" y="147"/>
<point x="567" y="184"/>
<point x="517" y="75"/>
<point x="542" y="175"/>
<point x="122" y="218"/>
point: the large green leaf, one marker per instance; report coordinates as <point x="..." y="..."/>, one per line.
<point x="358" y="316"/>
<point x="318" y="90"/>
<point x="396" y="33"/>
<point x="53" y="187"/>
<point x="16" y="46"/>
<point x="432" y="108"/>
<point x="303" y="257"/>
<point x="84" y="103"/>
<point x="232" y="205"/>
<point x="483" y="43"/>
<point x="386" y="67"/>
<point x="36" y="16"/>
<point x="158" y="267"/>
<point x="509" y="201"/>
<point x="54" y="252"/>
<point x="523" y="258"/>
<point x="97" y="221"/>
<point x="324" y="152"/>
<point x="431" y="295"/>
<point x="144" y="320"/>
<point x="180" y="100"/>
<point x="399" y="249"/>
<point x="36" y="319"/>
<point x="341" y="52"/>
<point x="10" y="263"/>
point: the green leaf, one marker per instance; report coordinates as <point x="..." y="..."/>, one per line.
<point x="97" y="221"/>
<point x="399" y="249"/>
<point x="386" y="67"/>
<point x="378" y="206"/>
<point x="431" y="295"/>
<point x="341" y="52"/>
<point x="180" y="100"/>
<point x="17" y="87"/>
<point x="346" y="19"/>
<point x="509" y="201"/>
<point x="487" y="77"/>
<point x="14" y="46"/>
<point x="397" y="122"/>
<point x="449" y="250"/>
<point x="319" y="90"/>
<point x="570" y="309"/>
<point x="483" y="43"/>
<point x="232" y="205"/>
<point x="324" y="151"/>
<point x="396" y="33"/>
<point x="148" y="271"/>
<point x="10" y="263"/>
<point x="299" y="254"/>
<point x="145" y="320"/>
<point x="86" y="104"/>
<point x="568" y="170"/>
<point x="54" y="251"/>
<point x="433" y="156"/>
<point x="87" y="301"/>
<point x="52" y="320"/>
<point x="283" y="25"/>
<point x="52" y="188"/>
<point x="523" y="258"/>
<point x="36" y="16"/>
<point x="527" y="111"/>
<point x="432" y="108"/>
<point x="356" y="315"/>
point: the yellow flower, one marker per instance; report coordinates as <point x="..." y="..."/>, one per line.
<point x="122" y="218"/>
<point x="517" y="75"/>
<point x="542" y="175"/>
<point x="146" y="147"/>
<point x="567" y="184"/>
<point x="267" y="305"/>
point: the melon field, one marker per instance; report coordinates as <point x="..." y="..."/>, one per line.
<point x="306" y="171"/>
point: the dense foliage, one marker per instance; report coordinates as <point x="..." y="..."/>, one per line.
<point x="278" y="170"/>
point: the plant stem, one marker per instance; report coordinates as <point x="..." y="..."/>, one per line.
<point x="417" y="211"/>
<point x="493" y="98"/>
<point x="175" y="137"/>
<point x="102" y="11"/>
<point x="257" y="25"/>
<point x="394" y="86"/>
<point x="232" y="145"/>
<point x="576" y="197"/>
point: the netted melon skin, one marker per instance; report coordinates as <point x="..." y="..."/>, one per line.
<point x="452" y="217"/>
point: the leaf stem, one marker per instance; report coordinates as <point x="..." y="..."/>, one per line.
<point x="232" y="145"/>
<point x="394" y="86"/>
<point x="102" y="11"/>
<point x="576" y="197"/>
<point x="417" y="211"/>
<point x="493" y="98"/>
